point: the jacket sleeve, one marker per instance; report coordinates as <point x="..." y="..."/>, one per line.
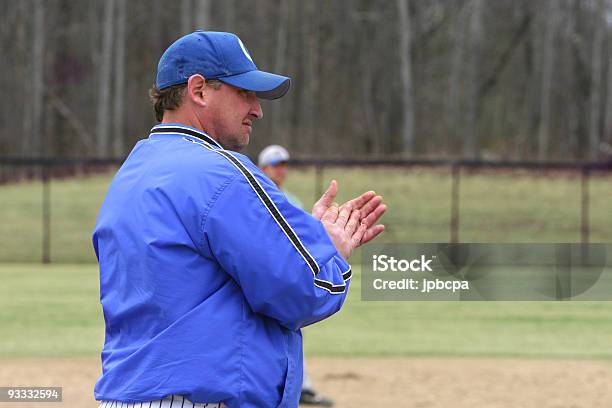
<point x="280" y="256"/>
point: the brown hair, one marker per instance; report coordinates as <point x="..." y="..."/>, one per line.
<point x="170" y="98"/>
<point x="167" y="99"/>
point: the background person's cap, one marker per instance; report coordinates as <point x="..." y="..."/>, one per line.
<point x="217" y="55"/>
<point x="273" y="155"/>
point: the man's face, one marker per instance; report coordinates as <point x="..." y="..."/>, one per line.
<point x="230" y="116"/>
<point x="277" y="172"/>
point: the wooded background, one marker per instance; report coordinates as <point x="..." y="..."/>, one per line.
<point x="496" y="79"/>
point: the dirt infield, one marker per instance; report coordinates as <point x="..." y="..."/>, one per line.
<point x="392" y="382"/>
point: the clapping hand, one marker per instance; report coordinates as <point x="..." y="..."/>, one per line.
<point x="353" y="223"/>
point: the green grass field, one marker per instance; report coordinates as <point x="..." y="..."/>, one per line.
<point x="495" y="207"/>
<point x="54" y="311"/>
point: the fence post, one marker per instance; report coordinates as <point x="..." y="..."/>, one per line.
<point x="318" y="181"/>
<point x="46" y="214"/>
<point x="454" y="221"/>
<point x="584" y="205"/>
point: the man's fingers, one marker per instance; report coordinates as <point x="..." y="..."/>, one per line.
<point x="360" y="224"/>
<point x="331" y="215"/>
<point x="371" y="233"/>
<point x="353" y="222"/>
<point x="328" y="196"/>
<point x="373" y="217"/>
<point x="358" y="202"/>
<point x="326" y="200"/>
<point x="371" y="205"/>
<point x="343" y="216"/>
<point x="358" y="235"/>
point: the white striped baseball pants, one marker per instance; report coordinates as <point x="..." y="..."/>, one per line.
<point x="173" y="401"/>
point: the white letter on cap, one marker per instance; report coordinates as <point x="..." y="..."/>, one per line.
<point x="245" y="50"/>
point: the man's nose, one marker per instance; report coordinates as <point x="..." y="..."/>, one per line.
<point x="256" y="109"/>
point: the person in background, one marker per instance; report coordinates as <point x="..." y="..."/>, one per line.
<point x="273" y="161"/>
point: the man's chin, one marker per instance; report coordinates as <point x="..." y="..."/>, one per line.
<point x="237" y="144"/>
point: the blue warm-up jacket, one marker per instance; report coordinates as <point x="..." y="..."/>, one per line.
<point x="207" y="274"/>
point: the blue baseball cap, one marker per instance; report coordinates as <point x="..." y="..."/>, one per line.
<point x="217" y="55"/>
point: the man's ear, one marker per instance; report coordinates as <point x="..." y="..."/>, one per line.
<point x="197" y="89"/>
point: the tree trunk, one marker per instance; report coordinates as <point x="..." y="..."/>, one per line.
<point x="24" y="47"/>
<point x="119" y="92"/>
<point x="372" y="141"/>
<point x="471" y="147"/>
<point x="230" y="15"/>
<point x="35" y="145"/>
<point x="104" y="84"/>
<point x="569" y="146"/>
<point x="186" y="16"/>
<point x="607" y="135"/>
<point x="596" y="71"/>
<point x="453" y="103"/>
<point x="405" y="47"/>
<point x="308" y="104"/>
<point x="202" y="15"/>
<point x="279" y="68"/>
<point x="548" y="54"/>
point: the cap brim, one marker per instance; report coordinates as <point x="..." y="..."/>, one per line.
<point x="265" y="84"/>
<point x="277" y="162"/>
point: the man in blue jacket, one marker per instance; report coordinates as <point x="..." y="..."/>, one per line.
<point x="207" y="272"/>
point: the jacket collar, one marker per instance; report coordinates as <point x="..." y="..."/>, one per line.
<point x="187" y="131"/>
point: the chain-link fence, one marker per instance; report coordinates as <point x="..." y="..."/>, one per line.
<point x="48" y="207"/>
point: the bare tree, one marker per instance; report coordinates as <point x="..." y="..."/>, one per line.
<point x="230" y="14"/>
<point x="186" y="16"/>
<point x="453" y="102"/>
<point x="607" y="135"/>
<point x="104" y="78"/>
<point x="471" y="147"/>
<point x="368" y="23"/>
<point x="569" y="146"/>
<point x="548" y="52"/>
<point x="281" y="36"/>
<point x="279" y="66"/>
<point x="35" y="127"/>
<point x="202" y="14"/>
<point x="534" y="83"/>
<point x="310" y="51"/>
<point x="119" y="91"/>
<point x="405" y="48"/>
<point x="372" y="140"/>
<point x="596" y="72"/>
